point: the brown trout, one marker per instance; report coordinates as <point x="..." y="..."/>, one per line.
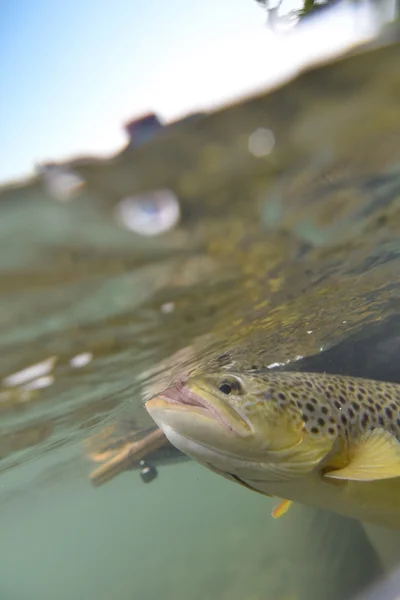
<point x="327" y="441"/>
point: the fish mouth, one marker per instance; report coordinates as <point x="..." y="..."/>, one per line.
<point x="180" y="394"/>
<point x="181" y="398"/>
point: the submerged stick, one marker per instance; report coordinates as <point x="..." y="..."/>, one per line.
<point x="132" y="453"/>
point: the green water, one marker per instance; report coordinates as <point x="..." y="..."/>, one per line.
<point x="128" y="540"/>
<point x="189" y="535"/>
<point x="275" y="261"/>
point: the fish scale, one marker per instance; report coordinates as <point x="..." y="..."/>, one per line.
<point x="331" y="404"/>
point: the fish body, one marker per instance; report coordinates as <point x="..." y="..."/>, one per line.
<point x="326" y="441"/>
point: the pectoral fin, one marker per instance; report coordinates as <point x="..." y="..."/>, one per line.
<point x="375" y="456"/>
<point x="281" y="509"/>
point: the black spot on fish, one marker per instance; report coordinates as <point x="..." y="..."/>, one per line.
<point x="321" y="421"/>
<point x="331" y="430"/>
<point x="355" y="405"/>
<point x="389" y="412"/>
<point x="314" y="430"/>
<point x="324" y="410"/>
<point x="310" y="407"/>
<point x="365" y="420"/>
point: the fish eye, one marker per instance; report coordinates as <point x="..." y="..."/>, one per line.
<point x="227" y="387"/>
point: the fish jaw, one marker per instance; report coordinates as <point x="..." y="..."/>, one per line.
<point x="183" y="414"/>
<point x="218" y="449"/>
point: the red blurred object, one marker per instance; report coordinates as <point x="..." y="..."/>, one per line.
<point x="142" y="129"/>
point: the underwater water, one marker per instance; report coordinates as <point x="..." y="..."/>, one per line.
<point x="284" y="254"/>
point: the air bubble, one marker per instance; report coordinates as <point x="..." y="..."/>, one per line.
<point x="149" y="214"/>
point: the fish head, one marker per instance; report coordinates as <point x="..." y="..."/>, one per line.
<point x="234" y="420"/>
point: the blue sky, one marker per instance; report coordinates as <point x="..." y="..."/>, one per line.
<point x="73" y="72"/>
